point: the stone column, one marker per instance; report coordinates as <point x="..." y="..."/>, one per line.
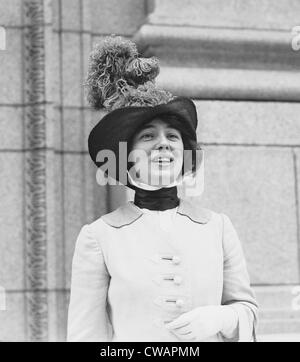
<point x="38" y="165"/>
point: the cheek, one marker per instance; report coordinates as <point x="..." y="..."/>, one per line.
<point x="140" y="158"/>
<point x="142" y="146"/>
<point x="178" y="162"/>
<point x="178" y="154"/>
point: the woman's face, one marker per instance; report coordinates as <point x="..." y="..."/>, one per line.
<point x="157" y="151"/>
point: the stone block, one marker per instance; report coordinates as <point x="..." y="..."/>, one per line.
<point x="72" y="127"/>
<point x="278" y="309"/>
<point x="11" y="13"/>
<point x="231" y="84"/>
<point x="58" y="308"/>
<point x="117" y="17"/>
<point x="72" y="78"/>
<point x="87" y="15"/>
<point x="57" y="129"/>
<point x="208" y="47"/>
<point x="272" y="123"/>
<point x="11" y="221"/>
<point x="56" y="14"/>
<point x="279" y="326"/>
<point x="11" y="128"/>
<point x="55" y="217"/>
<point x="11" y="68"/>
<point x="86" y="50"/>
<point x="64" y="299"/>
<point x="260" y="14"/>
<point x="71" y="14"/>
<point x="279" y="337"/>
<point x="255" y="187"/>
<point x="48" y="12"/>
<point x="53" y="69"/>
<point x="296" y="154"/>
<point x="276" y="297"/>
<point x="12" y="319"/>
<point x="58" y="313"/>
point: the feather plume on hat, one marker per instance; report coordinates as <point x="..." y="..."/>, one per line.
<point x="117" y="77"/>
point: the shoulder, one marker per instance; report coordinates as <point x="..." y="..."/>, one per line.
<point x="122" y="216"/>
<point x="193" y="209"/>
<point x="127" y="214"/>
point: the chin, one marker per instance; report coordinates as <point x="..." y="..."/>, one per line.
<point x="162" y="179"/>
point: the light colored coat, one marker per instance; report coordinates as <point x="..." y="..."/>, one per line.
<point x="129" y="275"/>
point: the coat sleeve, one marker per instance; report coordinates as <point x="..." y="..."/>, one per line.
<point x="88" y="319"/>
<point x="237" y="291"/>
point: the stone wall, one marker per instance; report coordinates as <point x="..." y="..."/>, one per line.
<point x="234" y="58"/>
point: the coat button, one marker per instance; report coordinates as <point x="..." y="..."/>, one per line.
<point x="176" y="259"/>
<point x="179" y="303"/>
<point x="177" y="279"/>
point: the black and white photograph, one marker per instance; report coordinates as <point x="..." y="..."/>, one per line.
<point x="150" y="173"/>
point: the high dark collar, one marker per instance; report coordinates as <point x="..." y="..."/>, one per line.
<point x="129" y="213"/>
<point x="163" y="199"/>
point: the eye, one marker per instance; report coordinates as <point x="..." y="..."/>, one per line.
<point x="173" y="136"/>
<point x="146" y="136"/>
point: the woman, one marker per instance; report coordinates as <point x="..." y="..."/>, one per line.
<point x="159" y="268"/>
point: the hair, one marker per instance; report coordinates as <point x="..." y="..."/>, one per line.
<point x="189" y="138"/>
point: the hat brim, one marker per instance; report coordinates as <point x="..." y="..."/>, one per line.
<point x="121" y="124"/>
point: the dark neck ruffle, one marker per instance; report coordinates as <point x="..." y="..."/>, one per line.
<point x="162" y="199"/>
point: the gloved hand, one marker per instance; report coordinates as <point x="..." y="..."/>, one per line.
<point x="204" y="322"/>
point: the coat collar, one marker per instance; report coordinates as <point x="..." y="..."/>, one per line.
<point x="128" y="213"/>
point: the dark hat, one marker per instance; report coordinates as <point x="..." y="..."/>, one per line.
<point x="121" y="124"/>
<point x="122" y="83"/>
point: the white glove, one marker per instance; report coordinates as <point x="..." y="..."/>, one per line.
<point x="204" y="322"/>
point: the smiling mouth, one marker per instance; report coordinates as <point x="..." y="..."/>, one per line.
<point x="163" y="161"/>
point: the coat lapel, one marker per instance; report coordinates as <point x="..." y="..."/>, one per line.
<point x="128" y="213"/>
<point x="124" y="215"/>
<point x="192" y="209"/>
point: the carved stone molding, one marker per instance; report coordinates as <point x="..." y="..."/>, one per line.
<point x="35" y="171"/>
<point x="237" y="52"/>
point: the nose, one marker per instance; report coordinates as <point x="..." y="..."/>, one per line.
<point x="163" y="143"/>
